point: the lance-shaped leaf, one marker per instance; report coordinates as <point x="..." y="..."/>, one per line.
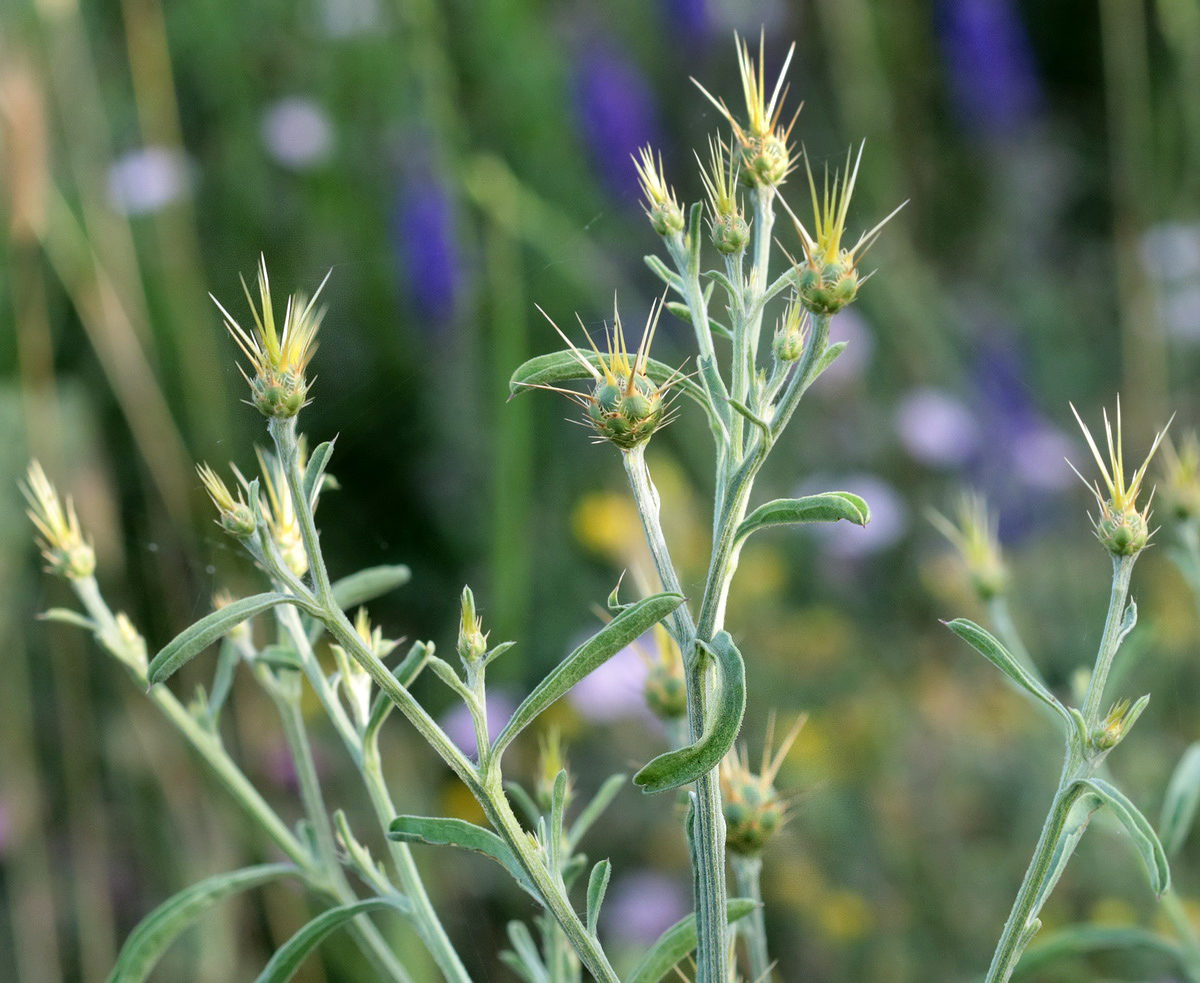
<point x="366" y="585"/>
<point x="464" y="835"/>
<point x="1079" y="941"/>
<point x="630" y="624"/>
<point x="1077" y="806"/>
<point x="594" y="809"/>
<point x="155" y="933"/>
<point x="192" y="641"/>
<point x="1139" y="829"/>
<point x="318" y="461"/>
<point x="679" y="940"/>
<point x="990" y="647"/>
<point x="524" y="958"/>
<point x="68" y="617"/>
<point x="1179" y="804"/>
<point x="676" y="768"/>
<point x="405" y="674"/>
<point x="827" y="507"/>
<point x="597" y="885"/>
<point x="289" y="957"/>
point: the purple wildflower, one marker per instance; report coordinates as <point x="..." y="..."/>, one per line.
<point x="423" y="227"/>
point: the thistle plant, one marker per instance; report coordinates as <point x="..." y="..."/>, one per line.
<point x="1091" y="731"/>
<point x="307" y="632"/>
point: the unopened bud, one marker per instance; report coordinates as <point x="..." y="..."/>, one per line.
<point x="472" y="642"/>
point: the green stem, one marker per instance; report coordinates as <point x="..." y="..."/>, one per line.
<point x="1189" y="940"/>
<point x="1109" y="641"/>
<point x="747" y="871"/>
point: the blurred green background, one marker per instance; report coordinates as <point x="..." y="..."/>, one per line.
<point x="456" y="163"/>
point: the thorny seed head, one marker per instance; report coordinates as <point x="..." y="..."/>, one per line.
<point x="472" y="641"/>
<point x="766" y="155"/>
<point x="233" y="514"/>
<point x="1180" y="471"/>
<point x="828" y="278"/>
<point x="665" y="688"/>
<point x="728" y="225"/>
<point x="625" y="405"/>
<point x="754" y="810"/>
<point x="661" y="205"/>
<point x="60" y="539"/>
<point x="1122" y="526"/>
<point x="278" y="358"/>
<point x="791" y="332"/>
<point x="973" y="531"/>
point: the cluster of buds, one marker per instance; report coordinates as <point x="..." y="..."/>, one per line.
<point x="625" y="406"/>
<point x="754" y="810"/>
<point x="1181" y="478"/>
<point x="728" y="225"/>
<point x="973" y="531"/>
<point x="661" y="205"/>
<point x="763" y="144"/>
<point x="61" y="541"/>
<point x="665" y="688"/>
<point x="828" y="280"/>
<point x="1122" y="525"/>
<point x="353" y="678"/>
<point x="472" y="640"/>
<point x="791" y="332"/>
<point x="278" y="358"/>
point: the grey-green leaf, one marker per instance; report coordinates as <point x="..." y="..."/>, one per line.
<point x="676" y="768"/>
<point x="1181" y="800"/>
<point x="405" y="674"/>
<point x="677" y="941"/>
<point x="594" y="809"/>
<point x="318" y="461"/>
<point x="155" y="933"/>
<point x="366" y="585"/>
<point x="597" y="885"/>
<point x="194" y="640"/>
<point x="1084" y="940"/>
<point x="1139" y="829"/>
<point x="827" y="507"/>
<point x="68" y="617"/>
<point x="990" y="647"/>
<point x="289" y="957"/>
<point x="464" y="835"/>
<point x="608" y="641"/>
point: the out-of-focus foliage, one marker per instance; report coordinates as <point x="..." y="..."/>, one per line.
<point x="454" y="163"/>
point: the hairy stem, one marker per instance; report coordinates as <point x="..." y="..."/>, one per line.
<point x="747" y="871"/>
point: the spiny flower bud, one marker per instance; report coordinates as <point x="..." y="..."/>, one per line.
<point x="1121" y="717"/>
<point x="661" y="205"/>
<point x="60" y="538"/>
<point x="472" y="642"/>
<point x="791" y="333"/>
<point x="753" y="809"/>
<point x="665" y="688"/>
<point x="827" y="279"/>
<point x="278" y="359"/>
<point x="1181" y="478"/>
<point x="1122" y="526"/>
<point x="730" y="231"/>
<point x="764" y="153"/>
<point x="234" y="514"/>
<point x="625" y="406"/>
<point x="975" y="535"/>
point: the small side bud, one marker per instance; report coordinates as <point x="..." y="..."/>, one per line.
<point x="661" y="205"/>
<point x="234" y="515"/>
<point x="665" y="688"/>
<point x="60" y="539"/>
<point x="974" y="533"/>
<point x="728" y="225"/>
<point x="791" y="333"/>
<point x="754" y="810"/>
<point x="1181" y="478"/>
<point x="472" y="642"/>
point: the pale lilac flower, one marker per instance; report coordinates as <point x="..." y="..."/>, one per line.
<point x="460" y="728"/>
<point x="349" y="18"/>
<point x="144" y="181"/>
<point x="936" y="428"/>
<point x="297" y="133"/>
<point x="1040" y="458"/>
<point x="1180" y="309"/>
<point x="642" y="905"/>
<point x="1171" y="250"/>
<point x="614" y="690"/>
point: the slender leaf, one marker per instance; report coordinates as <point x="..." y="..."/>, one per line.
<point x="155" y="933"/>
<point x="1139" y="829"/>
<point x="68" y="617"/>
<point x="624" y="628"/>
<point x="366" y="585"/>
<point x="594" y="809"/>
<point x="526" y="960"/>
<point x="597" y="885"/>
<point x="289" y="957"/>
<point x="1080" y="806"/>
<point x="227" y="662"/>
<point x="664" y="273"/>
<point x="318" y="461"/>
<point x="828" y="357"/>
<point x="1079" y="941"/>
<point x="990" y="647"/>
<point x="1181" y="800"/>
<point x="192" y="641"/>
<point x="677" y="941"/>
<point x="517" y="793"/>
<point x="827" y="507"/>
<point x="405" y="674"/>
<point x="464" y="835"/>
<point x="676" y="768"/>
